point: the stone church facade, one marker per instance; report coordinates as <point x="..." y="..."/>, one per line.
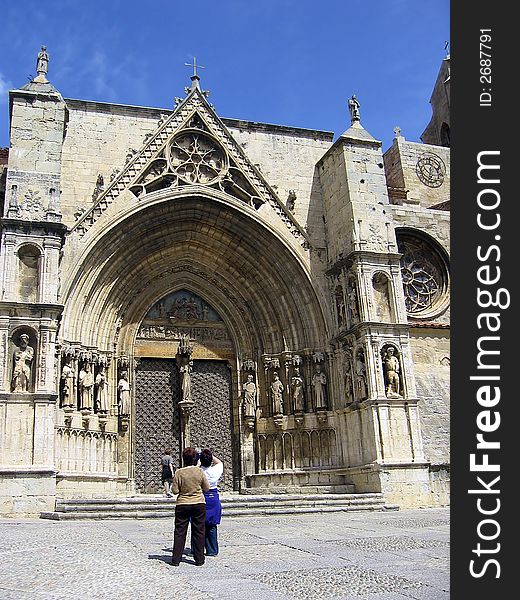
<point x="172" y="277"/>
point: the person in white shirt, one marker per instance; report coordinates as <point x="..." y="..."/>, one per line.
<point x="213" y="469"/>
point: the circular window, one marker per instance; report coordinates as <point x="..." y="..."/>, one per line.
<point x="430" y="169"/>
<point x="424" y="274"/>
<point x="197" y="158"/>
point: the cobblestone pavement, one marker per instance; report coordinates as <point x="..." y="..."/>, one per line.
<point x="371" y="556"/>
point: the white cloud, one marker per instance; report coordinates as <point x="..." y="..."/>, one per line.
<point x="5" y="86"/>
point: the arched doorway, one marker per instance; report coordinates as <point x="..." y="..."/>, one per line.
<point x="158" y="418"/>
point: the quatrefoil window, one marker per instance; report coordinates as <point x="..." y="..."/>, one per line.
<point x="424" y="275"/>
<point x="197" y="158"/>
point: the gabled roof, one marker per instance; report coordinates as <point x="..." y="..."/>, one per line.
<point x="191" y="146"/>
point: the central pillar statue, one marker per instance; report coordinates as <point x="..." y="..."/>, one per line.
<point x="185" y="364"/>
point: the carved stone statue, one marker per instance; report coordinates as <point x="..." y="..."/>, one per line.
<point x="353" y="304"/>
<point x="123" y="387"/>
<point x="249" y="389"/>
<point x="67" y="378"/>
<point x="353" y="106"/>
<point x="23" y="358"/>
<point x="349" y="391"/>
<point x="102" y="391"/>
<point x="297" y="391"/>
<point x="86" y="387"/>
<point x="361" y="377"/>
<point x="319" y="382"/>
<point x="277" y="394"/>
<point x="391" y="369"/>
<point x="42" y="62"/>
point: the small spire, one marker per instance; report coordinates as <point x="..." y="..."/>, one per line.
<point x="353" y="106"/>
<point x="194" y="78"/>
<point x="42" y="66"/>
<point x="397" y="131"/>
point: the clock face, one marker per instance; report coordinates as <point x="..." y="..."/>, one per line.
<point x="430" y="169"/>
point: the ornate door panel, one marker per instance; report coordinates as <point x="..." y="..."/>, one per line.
<point x="157" y="424"/>
<point x="157" y="419"/>
<point x="211" y="416"/>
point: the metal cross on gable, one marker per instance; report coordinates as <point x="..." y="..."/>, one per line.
<point x="194" y="65"/>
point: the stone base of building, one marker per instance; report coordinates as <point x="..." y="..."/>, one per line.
<point x="26" y="492"/>
<point x="93" y="485"/>
<point x="410" y="485"/>
<point x="302" y="481"/>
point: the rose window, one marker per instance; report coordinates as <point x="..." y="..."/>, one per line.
<point x="196" y="158"/>
<point x="424" y="276"/>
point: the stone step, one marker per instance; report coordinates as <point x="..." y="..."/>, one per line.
<point x="142" y="507"/>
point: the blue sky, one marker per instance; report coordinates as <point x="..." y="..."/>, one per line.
<point x="289" y="62"/>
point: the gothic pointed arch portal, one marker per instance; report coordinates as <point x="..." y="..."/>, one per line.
<point x="159" y="421"/>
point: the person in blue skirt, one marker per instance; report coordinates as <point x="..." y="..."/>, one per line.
<point x="213" y="469"/>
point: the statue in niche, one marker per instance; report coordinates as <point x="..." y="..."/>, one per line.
<point x="297" y="391"/>
<point x="86" y="387"/>
<point x="391" y="368"/>
<point x="340" y="306"/>
<point x="67" y="378"/>
<point x="353" y="106"/>
<point x="349" y="388"/>
<point x="22" y="371"/>
<point x="277" y="394"/>
<point x="42" y="62"/>
<point x="123" y="387"/>
<point x="319" y="382"/>
<point x="361" y="377"/>
<point x="102" y="391"/>
<point x="353" y="305"/>
<point x="249" y="389"/>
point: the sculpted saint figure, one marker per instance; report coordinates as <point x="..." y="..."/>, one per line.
<point x="249" y="389"/>
<point x="391" y="370"/>
<point x="361" y="378"/>
<point x="102" y="391"/>
<point x="276" y="392"/>
<point x="86" y="387"/>
<point x="42" y="62"/>
<point x="123" y="387"/>
<point x="67" y="377"/>
<point x="297" y="391"/>
<point x="319" y="381"/>
<point x="23" y="357"/>
<point x="353" y="106"/>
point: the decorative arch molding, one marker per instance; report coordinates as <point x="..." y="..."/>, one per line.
<point x="256" y="278"/>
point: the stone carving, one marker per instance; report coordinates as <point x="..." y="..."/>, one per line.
<point x="185" y="367"/>
<point x="319" y="382"/>
<point x="352" y="302"/>
<point x="22" y="370"/>
<point x="32" y="205"/>
<point x="340" y="306"/>
<point x="86" y="387"/>
<point x="381" y="290"/>
<point x="277" y="394"/>
<point x="99" y="187"/>
<point x="318" y="356"/>
<point x="194" y="157"/>
<point x="423" y="274"/>
<point x="291" y="200"/>
<point x="298" y="391"/>
<point x="249" y="389"/>
<point x="353" y="106"/>
<point x="349" y="384"/>
<point x="391" y="370"/>
<point x="123" y="388"/>
<point x="102" y="391"/>
<point x="248" y="365"/>
<point x="67" y="378"/>
<point x="430" y="169"/>
<point x="361" y="377"/>
<point x="42" y="62"/>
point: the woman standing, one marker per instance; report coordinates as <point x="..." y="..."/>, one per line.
<point x="189" y="483"/>
<point x="213" y="468"/>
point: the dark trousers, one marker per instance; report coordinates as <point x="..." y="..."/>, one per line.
<point x="211" y="540"/>
<point x="183" y="514"/>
